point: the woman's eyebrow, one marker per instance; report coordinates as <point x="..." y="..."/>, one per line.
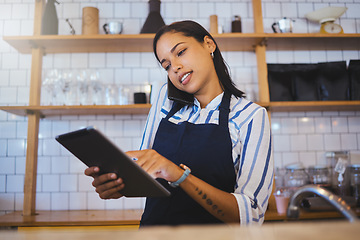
<point x="172" y="50"/>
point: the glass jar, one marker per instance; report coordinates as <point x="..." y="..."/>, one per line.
<point x="279" y="178"/>
<point x="320" y="176"/>
<point x="339" y="160"/>
<point x="295" y="177"/>
<point x="355" y="182"/>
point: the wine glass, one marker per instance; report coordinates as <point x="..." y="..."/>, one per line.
<point x="69" y="87"/>
<point x="48" y="85"/>
<point x="83" y="87"/>
<point x="111" y="93"/>
<point x="96" y="87"/>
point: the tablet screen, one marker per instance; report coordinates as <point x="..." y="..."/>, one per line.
<point x="94" y="149"/>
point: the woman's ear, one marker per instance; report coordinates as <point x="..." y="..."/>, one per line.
<point x="209" y="44"/>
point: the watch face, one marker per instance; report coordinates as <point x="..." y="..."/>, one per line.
<point x="332" y="28"/>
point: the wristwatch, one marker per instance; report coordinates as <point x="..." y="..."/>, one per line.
<point x="186" y="173"/>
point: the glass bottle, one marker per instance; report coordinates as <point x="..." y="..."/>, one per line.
<point x="236" y="24"/>
<point x="339" y="160"/>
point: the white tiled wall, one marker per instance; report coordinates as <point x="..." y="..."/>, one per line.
<point x="305" y="137"/>
<point x="61" y="184"/>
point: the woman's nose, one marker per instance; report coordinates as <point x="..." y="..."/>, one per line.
<point x="176" y="66"/>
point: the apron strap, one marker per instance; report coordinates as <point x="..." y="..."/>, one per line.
<point x="224" y="110"/>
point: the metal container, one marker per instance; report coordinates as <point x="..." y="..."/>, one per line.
<point x="284" y="25"/>
<point x="355" y="182"/>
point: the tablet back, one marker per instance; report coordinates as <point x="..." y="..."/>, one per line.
<point x="94" y="149"/>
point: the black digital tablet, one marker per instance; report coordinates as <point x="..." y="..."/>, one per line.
<point x="91" y="147"/>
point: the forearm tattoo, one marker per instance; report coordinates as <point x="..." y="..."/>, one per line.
<point x="208" y="201"/>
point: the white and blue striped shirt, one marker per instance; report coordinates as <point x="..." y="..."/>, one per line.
<point x="251" y="146"/>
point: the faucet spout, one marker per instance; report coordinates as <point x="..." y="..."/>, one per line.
<point x="309" y="190"/>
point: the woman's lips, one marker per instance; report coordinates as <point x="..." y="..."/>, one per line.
<point x="185" y="78"/>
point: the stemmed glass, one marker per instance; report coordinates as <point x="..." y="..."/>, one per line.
<point x="69" y="87"/>
<point x="83" y="87"/>
<point x="124" y="95"/>
<point x="96" y="87"/>
<point x="51" y="78"/>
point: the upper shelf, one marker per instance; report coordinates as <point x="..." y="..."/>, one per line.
<point x="115" y="43"/>
<point x="314" y="41"/>
<point x="143" y="42"/>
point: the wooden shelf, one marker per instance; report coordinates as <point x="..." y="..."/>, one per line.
<point x="312" y="41"/>
<point x="47" y="111"/>
<point x="143" y="42"/>
<point x="117" y="43"/>
<point x="82" y="43"/>
<point x="313" y="106"/>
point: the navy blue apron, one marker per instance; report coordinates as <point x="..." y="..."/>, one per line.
<point x="207" y="150"/>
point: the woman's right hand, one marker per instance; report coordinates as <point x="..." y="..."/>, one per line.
<point x="106" y="185"/>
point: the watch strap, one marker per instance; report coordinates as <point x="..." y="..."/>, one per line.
<point x="186" y="173"/>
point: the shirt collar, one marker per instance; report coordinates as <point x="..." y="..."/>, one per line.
<point x="213" y="104"/>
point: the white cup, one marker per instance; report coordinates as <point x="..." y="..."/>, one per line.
<point x="113" y="27"/>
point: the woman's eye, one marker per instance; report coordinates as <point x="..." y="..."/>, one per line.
<point x="181" y="52"/>
<point x="167" y="67"/>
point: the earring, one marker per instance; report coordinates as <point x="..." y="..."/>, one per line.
<point x="212" y="55"/>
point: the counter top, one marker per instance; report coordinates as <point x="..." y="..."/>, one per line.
<point x="121" y="217"/>
<point x="274" y="231"/>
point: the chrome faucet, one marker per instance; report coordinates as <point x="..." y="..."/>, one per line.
<point x="309" y="190"/>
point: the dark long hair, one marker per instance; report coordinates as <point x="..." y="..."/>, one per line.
<point x="192" y="29"/>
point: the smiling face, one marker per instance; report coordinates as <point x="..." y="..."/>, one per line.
<point x="189" y="65"/>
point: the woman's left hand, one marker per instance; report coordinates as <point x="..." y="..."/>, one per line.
<point x="156" y="165"/>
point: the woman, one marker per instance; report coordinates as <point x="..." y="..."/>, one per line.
<point x="215" y="151"/>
